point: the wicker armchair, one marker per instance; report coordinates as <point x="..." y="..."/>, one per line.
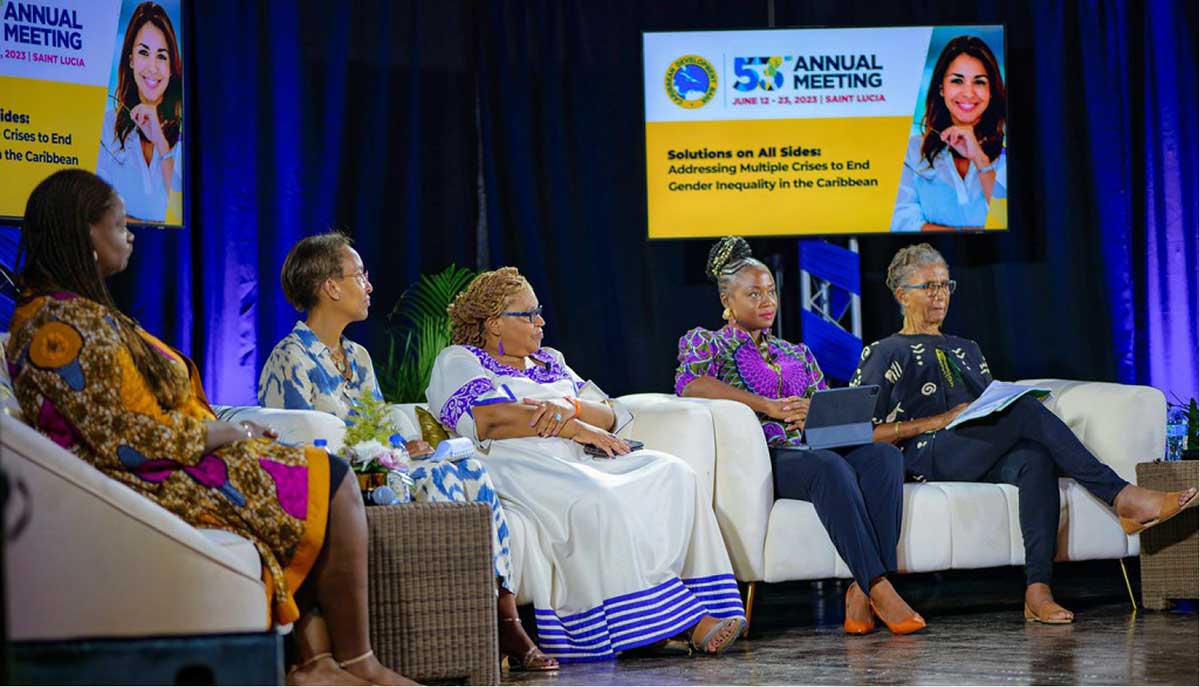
<point x="432" y="591"/>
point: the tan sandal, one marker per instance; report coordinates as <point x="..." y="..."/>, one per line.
<point x="1031" y="617"/>
<point x="1169" y="509"/>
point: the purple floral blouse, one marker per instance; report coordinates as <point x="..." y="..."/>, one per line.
<point x="730" y="356"/>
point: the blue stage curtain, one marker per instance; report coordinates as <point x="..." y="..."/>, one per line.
<point x="1166" y="354"/>
<point x="420" y="126"/>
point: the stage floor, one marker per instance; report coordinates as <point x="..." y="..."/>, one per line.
<point x="1107" y="645"/>
<point x="978" y="638"/>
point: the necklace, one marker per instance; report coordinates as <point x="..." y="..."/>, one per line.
<point x="339" y="361"/>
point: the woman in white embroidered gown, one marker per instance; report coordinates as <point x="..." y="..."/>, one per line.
<point x="615" y="552"/>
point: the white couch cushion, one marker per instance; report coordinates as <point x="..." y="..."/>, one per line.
<point x="241" y="552"/>
<point x="97" y="559"/>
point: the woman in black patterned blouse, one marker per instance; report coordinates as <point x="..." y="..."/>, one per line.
<point x="927" y="378"/>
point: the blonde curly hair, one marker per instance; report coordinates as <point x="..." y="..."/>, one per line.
<point x="488" y="294"/>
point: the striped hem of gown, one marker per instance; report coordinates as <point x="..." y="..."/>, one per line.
<point x="637" y="619"/>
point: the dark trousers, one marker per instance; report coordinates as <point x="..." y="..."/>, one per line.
<point x="859" y="497"/>
<point x="1027" y="446"/>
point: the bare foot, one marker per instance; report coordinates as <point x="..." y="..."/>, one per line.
<point x="322" y="671"/>
<point x="858" y="609"/>
<point x="375" y="673"/>
<point x="1142" y="505"/>
<point x="1041" y="602"/>
<point x="892" y="608"/>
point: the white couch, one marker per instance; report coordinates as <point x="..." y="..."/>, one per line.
<point x="663" y="423"/>
<point x="97" y="559"/>
<point x="946" y="525"/>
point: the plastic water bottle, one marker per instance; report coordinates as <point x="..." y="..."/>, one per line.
<point x="382" y="496"/>
<point x="398" y="479"/>
<point x="1177" y="427"/>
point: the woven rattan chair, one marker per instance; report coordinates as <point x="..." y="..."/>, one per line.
<point x="432" y="591"/>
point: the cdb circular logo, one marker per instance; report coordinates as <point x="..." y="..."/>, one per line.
<point x="691" y="82"/>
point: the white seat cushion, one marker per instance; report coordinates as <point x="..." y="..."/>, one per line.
<point x="242" y="554"/>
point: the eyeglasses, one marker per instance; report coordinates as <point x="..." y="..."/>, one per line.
<point x="363" y="278"/>
<point x="932" y="288"/>
<point x="531" y="315"/>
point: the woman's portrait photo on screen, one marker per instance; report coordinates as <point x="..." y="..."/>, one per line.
<point x="141" y="140"/>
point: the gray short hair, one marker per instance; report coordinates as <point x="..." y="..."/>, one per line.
<point x="908" y="260"/>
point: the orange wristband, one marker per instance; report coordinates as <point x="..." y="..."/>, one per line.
<point x="578" y="406"/>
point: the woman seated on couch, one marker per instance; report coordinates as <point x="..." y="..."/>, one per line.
<point x="621" y="549"/>
<point x="927" y="378"/>
<point x="857" y="492"/>
<point x="316" y="367"/>
<point x="102" y="387"/>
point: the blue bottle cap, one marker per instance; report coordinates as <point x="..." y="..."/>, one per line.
<point x="320" y="443"/>
<point x="397" y="440"/>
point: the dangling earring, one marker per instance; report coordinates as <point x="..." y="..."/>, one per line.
<point x="500" y="346"/>
<point x="95" y="256"/>
<point x="726" y="315"/>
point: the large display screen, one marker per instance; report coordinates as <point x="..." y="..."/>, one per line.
<point x="825" y="131"/>
<point x="97" y="85"/>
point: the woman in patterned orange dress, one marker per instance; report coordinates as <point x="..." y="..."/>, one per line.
<point x="97" y="384"/>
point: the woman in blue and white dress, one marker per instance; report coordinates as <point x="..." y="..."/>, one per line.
<point x="614" y="552"/>
<point x="316" y="367"/>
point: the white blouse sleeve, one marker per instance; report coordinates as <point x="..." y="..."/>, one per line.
<point x="458" y="384"/>
<point x="1000" y="190"/>
<point x="588" y="390"/>
<point x="907" y="215"/>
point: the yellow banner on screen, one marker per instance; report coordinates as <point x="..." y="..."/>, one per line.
<point x="834" y="176"/>
<point x="59" y="128"/>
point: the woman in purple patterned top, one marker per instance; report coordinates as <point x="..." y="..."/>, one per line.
<point x="857" y="492"/>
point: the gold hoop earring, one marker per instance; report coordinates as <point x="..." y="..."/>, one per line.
<point x="726" y="314"/>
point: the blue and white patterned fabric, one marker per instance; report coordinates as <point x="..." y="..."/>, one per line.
<point x="300" y="375"/>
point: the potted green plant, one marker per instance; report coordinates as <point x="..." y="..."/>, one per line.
<point x="418" y="329"/>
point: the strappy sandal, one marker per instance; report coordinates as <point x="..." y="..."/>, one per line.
<point x="534" y="660"/>
<point x="701" y="646"/>
<point x="357" y="659"/>
<point x="301" y="666"/>
<point x="1169" y="509"/>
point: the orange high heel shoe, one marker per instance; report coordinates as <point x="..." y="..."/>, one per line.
<point x="904" y="627"/>
<point x="856" y="627"/>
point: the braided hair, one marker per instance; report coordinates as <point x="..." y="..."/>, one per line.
<point x="56" y="254"/>
<point x="488" y="294"/>
<point x="727" y="258"/>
